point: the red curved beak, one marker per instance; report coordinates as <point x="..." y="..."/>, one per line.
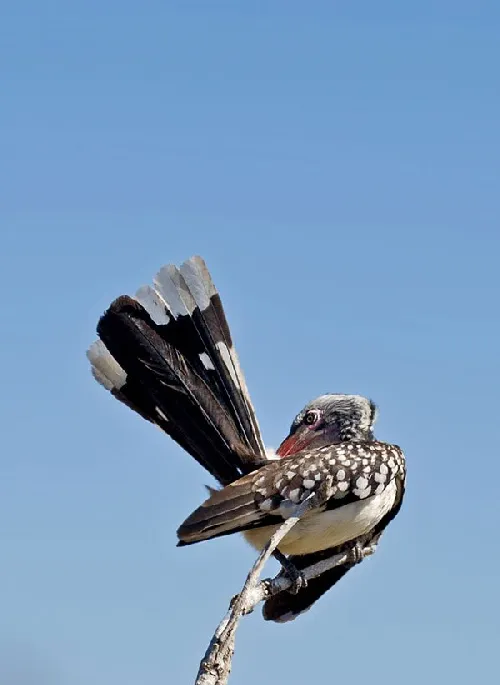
<point x="294" y="443"/>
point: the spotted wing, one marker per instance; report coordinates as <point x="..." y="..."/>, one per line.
<point x="285" y="606"/>
<point x="336" y="476"/>
<point x="167" y="353"/>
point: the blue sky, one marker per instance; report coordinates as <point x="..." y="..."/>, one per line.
<point x="337" y="165"/>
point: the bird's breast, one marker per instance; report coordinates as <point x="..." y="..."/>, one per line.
<point x="319" y="530"/>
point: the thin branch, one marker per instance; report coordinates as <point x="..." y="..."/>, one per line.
<point x="216" y="664"/>
<point x="270" y="587"/>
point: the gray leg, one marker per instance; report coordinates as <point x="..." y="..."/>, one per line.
<point x="296" y="576"/>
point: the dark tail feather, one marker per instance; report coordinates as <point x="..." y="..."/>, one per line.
<point x="285" y="607"/>
<point x="168" y="355"/>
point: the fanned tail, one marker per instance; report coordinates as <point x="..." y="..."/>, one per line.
<point x="168" y="355"/>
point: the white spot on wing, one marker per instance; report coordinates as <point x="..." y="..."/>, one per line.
<point x="325" y="529"/>
<point x="266" y="505"/>
<point x="363" y="493"/>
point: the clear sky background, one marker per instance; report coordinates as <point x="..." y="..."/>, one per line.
<point x="338" y="166"/>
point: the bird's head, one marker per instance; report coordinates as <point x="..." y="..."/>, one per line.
<point x="330" y="419"/>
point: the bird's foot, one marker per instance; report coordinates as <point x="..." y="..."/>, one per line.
<point x="356" y="553"/>
<point x="295" y="575"/>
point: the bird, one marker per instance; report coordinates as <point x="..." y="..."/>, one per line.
<point x="167" y="353"/>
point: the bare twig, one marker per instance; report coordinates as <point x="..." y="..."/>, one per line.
<point x="216" y="664"/>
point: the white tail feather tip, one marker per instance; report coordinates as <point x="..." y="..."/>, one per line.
<point x="105" y="368"/>
<point x="154" y="304"/>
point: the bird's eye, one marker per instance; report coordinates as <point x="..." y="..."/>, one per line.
<point x="312" y="418"/>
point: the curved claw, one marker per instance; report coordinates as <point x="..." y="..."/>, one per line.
<point x="356" y="553"/>
<point x="296" y="576"/>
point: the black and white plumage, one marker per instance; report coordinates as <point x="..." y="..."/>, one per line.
<point x="353" y="485"/>
<point x="167" y="353"/>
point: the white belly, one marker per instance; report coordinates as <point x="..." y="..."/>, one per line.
<point x="325" y="529"/>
